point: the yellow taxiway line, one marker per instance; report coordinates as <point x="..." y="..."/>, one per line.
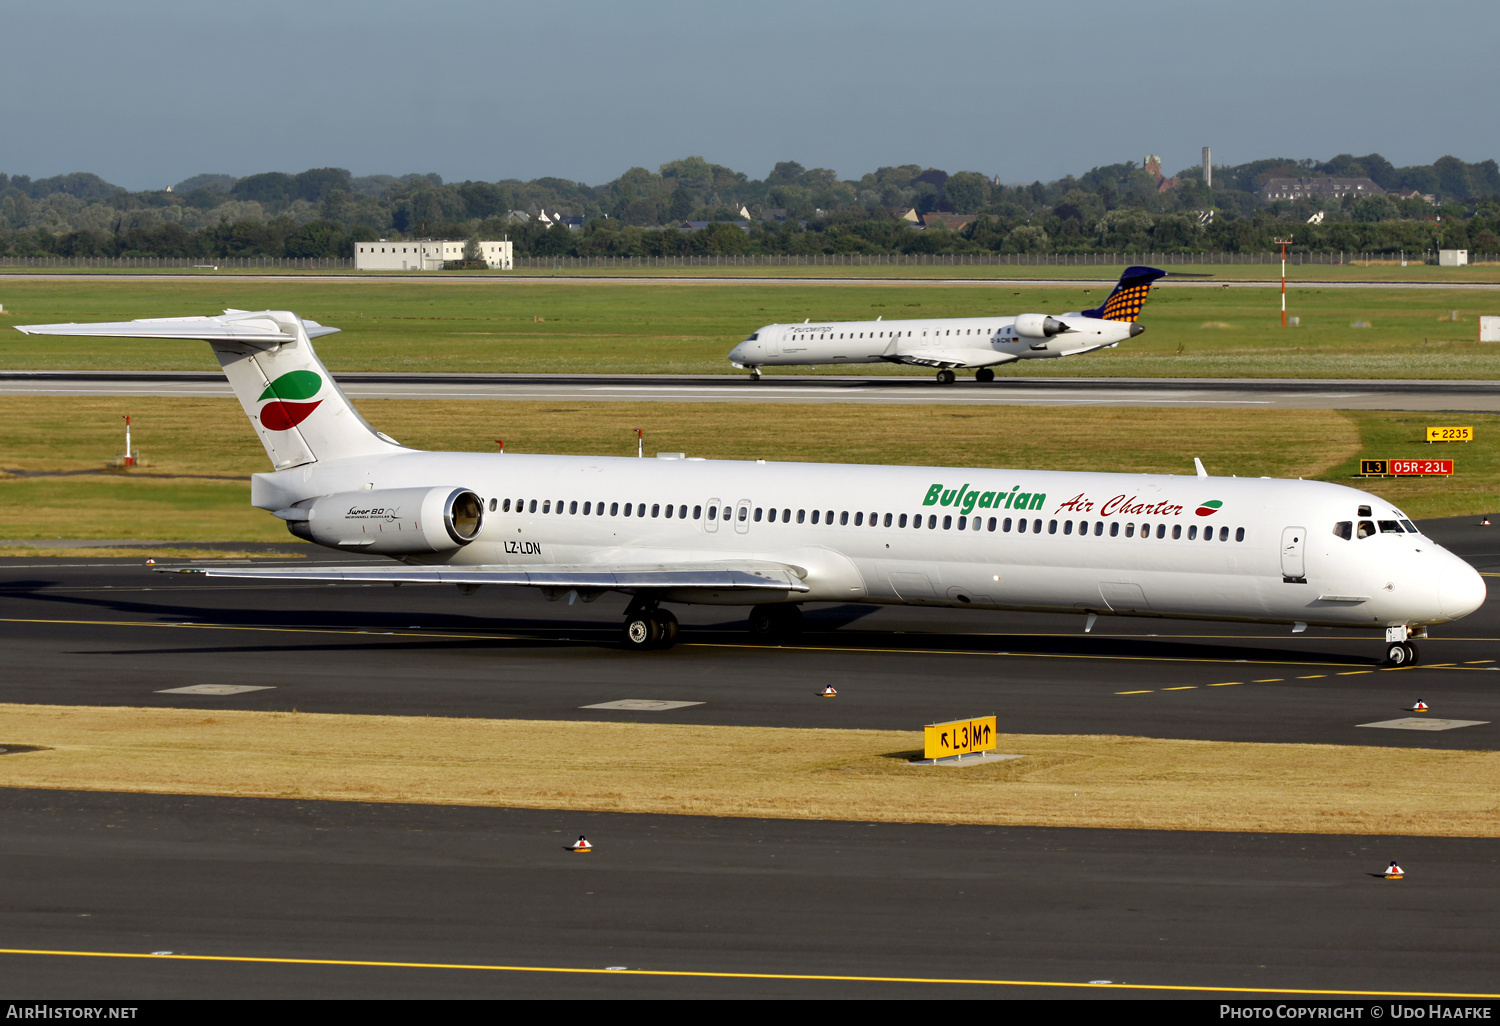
<point x="706" y="974"/>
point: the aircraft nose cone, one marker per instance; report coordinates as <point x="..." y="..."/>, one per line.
<point x="1460" y="590"/>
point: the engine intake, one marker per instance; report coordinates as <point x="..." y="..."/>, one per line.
<point x="1039" y="326"/>
<point x="391" y="521"/>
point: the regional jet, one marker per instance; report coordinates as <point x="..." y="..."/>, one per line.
<point x="953" y="343"/>
<point x="773" y="536"/>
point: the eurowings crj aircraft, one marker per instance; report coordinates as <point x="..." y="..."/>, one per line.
<point x="953" y="343"/>
<point x="773" y="535"/>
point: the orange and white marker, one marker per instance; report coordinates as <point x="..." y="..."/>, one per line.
<point x="828" y="692"/>
<point x="1395" y="872"/>
<point x="1485" y="522"/>
<point x="1421" y="706"/>
<point x="582" y="844"/>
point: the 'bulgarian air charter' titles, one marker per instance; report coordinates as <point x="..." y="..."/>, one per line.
<point x="967" y="501"/>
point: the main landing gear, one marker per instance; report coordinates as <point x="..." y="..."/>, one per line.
<point x="648" y="626"/>
<point x="776" y="622"/>
<point x="984" y="375"/>
<point x="946" y="377"/>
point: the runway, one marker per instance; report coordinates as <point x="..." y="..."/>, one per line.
<point x="406" y="895"/>
<point x="1267" y="393"/>
<point x="421" y="901"/>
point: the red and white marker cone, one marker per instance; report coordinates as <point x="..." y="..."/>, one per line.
<point x="828" y="692"/>
<point x="582" y="844"/>
<point x="1419" y="707"/>
<point x="1395" y="872"/>
<point x="1485" y="522"/>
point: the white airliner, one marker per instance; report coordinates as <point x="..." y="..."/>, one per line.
<point x="772" y="535"/>
<point x="953" y="343"/>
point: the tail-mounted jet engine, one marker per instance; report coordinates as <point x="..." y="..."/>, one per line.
<point x="391" y="521"/>
<point x="1039" y="326"/>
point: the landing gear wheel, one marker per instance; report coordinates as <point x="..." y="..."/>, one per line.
<point x="1412" y="656"/>
<point x="775" y="622"/>
<point x="754" y="373"/>
<point x="642" y="632"/>
<point x="946" y="377"/>
<point x="1397" y="655"/>
<point x="669" y="629"/>
<point x="984" y="375"/>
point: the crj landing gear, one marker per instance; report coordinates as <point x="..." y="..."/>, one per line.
<point x="648" y="626"/>
<point x="946" y="377"/>
<point x="984" y="375"/>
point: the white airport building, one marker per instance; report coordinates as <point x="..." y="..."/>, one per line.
<point x="427" y="254"/>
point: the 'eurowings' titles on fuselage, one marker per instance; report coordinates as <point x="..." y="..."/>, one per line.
<point x="1192" y="547"/>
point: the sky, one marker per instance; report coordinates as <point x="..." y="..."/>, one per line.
<point x="151" y="92"/>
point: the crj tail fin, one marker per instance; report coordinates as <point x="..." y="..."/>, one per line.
<point x="299" y="412"/>
<point x="1125" y="302"/>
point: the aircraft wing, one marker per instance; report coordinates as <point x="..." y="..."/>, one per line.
<point x="951" y="358"/>
<point x="717" y="576"/>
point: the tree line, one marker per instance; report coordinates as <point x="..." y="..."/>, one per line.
<point x="323" y="212"/>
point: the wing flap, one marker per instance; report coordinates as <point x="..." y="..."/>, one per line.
<point x="714" y="576"/>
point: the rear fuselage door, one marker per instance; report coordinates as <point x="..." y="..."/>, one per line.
<point x="1293" y="545"/>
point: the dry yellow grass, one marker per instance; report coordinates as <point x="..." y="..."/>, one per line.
<point x="1119" y="782"/>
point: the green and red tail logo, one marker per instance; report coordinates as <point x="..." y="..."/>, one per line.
<point x="1208" y="509"/>
<point x="288" y="395"/>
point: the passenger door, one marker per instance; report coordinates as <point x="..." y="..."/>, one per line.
<point x="742" y="516"/>
<point x="711" y="522"/>
<point x="1293" y="545"/>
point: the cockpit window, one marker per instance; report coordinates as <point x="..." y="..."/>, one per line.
<point x="1344" y="529"/>
<point x="753" y="336"/>
<point x="1364" y="511"/>
<point x="1366" y="528"/>
<point x="1390" y="527"/>
<point x="1410" y="526"/>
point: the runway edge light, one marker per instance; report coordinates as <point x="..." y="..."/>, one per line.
<point x="583" y="845"/>
<point x="1395" y="872"/>
<point x="1421" y="706"/>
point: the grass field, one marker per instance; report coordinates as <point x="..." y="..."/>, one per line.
<point x="603" y="327"/>
<point x="200" y="452"/>
<point x="832" y="268"/>
<point x="1068" y="780"/>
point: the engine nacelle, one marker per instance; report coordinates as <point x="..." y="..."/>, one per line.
<point x="1039" y="326"/>
<point x="391" y="521"/>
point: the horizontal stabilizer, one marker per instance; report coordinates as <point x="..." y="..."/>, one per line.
<point x="715" y="576"/>
<point x="256" y="329"/>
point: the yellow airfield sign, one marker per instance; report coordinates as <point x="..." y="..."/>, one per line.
<point x="959" y="737"/>
<point x="1450" y="434"/>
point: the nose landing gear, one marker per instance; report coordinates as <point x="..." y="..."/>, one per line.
<point x="1399" y="651"/>
<point x="754" y="373"/>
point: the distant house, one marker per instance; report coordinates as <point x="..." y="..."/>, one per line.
<point x="1153" y="168"/>
<point x="1318" y="188"/>
<point x="518" y="216"/>
<point x="952" y="222"/>
<point x="907" y="214"/>
<point x="1414" y="194"/>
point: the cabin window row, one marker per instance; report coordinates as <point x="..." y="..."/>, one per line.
<point x="844" y="518"/>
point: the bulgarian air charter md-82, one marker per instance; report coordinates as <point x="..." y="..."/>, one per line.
<point x="953" y="343"/>
<point x="774" y="535"/>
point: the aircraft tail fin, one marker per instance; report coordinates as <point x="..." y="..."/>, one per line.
<point x="1129" y="296"/>
<point x="297" y="409"/>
